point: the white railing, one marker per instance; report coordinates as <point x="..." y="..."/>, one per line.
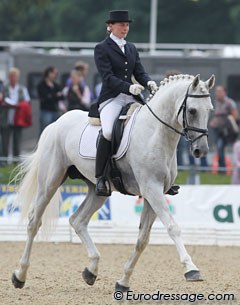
<point x="183" y="48"/>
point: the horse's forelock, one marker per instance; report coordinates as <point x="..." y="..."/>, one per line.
<point x="203" y="88"/>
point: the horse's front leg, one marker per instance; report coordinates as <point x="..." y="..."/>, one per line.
<point x="147" y="218"/>
<point x="154" y="193"/>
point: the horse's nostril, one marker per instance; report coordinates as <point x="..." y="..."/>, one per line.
<point x="197" y="152"/>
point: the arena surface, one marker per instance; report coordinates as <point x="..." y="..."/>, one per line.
<point x="54" y="277"/>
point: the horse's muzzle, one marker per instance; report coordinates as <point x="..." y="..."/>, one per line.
<point x="199" y="152"/>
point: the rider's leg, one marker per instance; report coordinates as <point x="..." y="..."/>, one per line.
<point x="103" y="154"/>
<point x="108" y="115"/>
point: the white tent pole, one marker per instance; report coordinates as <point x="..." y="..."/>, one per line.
<point x="153" y="25"/>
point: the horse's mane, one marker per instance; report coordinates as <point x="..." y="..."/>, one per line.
<point x="178" y="77"/>
<point x="171" y="78"/>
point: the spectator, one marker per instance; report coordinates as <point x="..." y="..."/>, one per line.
<point x="1" y="101"/>
<point x="14" y="93"/>
<point x="75" y="93"/>
<point x="224" y="106"/>
<point x="82" y="68"/>
<point x="49" y="94"/>
<point x="236" y="163"/>
<point x="97" y="85"/>
<point x="97" y="89"/>
<point x="182" y="147"/>
<point x="172" y="73"/>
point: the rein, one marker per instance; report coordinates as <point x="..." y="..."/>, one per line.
<point x="186" y="126"/>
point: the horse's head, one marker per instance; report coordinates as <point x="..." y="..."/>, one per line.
<point x="193" y="115"/>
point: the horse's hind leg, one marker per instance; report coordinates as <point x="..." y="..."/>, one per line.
<point x="79" y="221"/>
<point x="48" y="184"/>
<point x="147" y="218"/>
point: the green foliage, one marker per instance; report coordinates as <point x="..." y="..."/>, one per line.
<point x="183" y="21"/>
<point x="5" y="173"/>
<point x="202" y="21"/>
<point x="205" y="177"/>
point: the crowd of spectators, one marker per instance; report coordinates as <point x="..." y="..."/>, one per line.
<point x="14" y="113"/>
<point x="54" y="100"/>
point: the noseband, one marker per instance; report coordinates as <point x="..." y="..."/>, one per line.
<point x="186" y="126"/>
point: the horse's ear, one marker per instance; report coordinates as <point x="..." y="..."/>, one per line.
<point x="210" y="82"/>
<point x="196" y="81"/>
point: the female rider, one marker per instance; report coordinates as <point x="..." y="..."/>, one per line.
<point x="117" y="61"/>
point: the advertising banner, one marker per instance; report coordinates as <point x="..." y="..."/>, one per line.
<point x="205" y="206"/>
<point x="72" y="196"/>
<point x="206" y="214"/>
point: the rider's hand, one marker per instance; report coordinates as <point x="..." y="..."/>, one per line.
<point x="152" y="85"/>
<point x="136" y="89"/>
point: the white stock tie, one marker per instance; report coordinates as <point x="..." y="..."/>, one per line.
<point x="121" y="45"/>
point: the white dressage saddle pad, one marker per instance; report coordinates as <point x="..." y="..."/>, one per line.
<point x="88" y="138"/>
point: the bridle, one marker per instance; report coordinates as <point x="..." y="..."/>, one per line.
<point x="186" y="126"/>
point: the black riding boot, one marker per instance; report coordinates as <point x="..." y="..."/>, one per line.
<point x="103" y="155"/>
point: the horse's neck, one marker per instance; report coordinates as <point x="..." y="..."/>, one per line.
<point x="165" y="105"/>
<point x="165" y="102"/>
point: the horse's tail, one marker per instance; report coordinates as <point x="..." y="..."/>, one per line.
<point x="26" y="179"/>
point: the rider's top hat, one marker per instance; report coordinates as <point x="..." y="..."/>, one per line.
<point x="118" y="16"/>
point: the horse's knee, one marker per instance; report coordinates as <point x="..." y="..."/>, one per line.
<point x="174" y="230"/>
<point x="141" y="244"/>
<point x="78" y="226"/>
<point x="33" y="225"/>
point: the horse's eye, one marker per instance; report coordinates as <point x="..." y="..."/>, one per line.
<point x="192" y="111"/>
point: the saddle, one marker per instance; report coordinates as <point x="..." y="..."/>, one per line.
<point x="117" y="134"/>
<point x="118" y="128"/>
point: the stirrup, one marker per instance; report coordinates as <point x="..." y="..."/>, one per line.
<point x="173" y="190"/>
<point x="105" y="189"/>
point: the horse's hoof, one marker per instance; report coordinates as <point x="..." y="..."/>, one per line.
<point x="16" y="282"/>
<point x="121" y="288"/>
<point x="193" y="276"/>
<point x="88" y="277"/>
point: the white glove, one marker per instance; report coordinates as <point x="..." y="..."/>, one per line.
<point x="136" y="89"/>
<point x="152" y="85"/>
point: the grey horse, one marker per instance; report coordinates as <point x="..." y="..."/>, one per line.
<point x="180" y="106"/>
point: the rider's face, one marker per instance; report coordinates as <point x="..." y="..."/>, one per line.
<point x="119" y="29"/>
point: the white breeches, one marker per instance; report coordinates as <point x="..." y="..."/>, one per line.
<point x="110" y="111"/>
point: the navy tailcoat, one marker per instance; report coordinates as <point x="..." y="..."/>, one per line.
<point x="117" y="68"/>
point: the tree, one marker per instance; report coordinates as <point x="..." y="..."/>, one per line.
<point x="204" y="21"/>
<point x="181" y="21"/>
